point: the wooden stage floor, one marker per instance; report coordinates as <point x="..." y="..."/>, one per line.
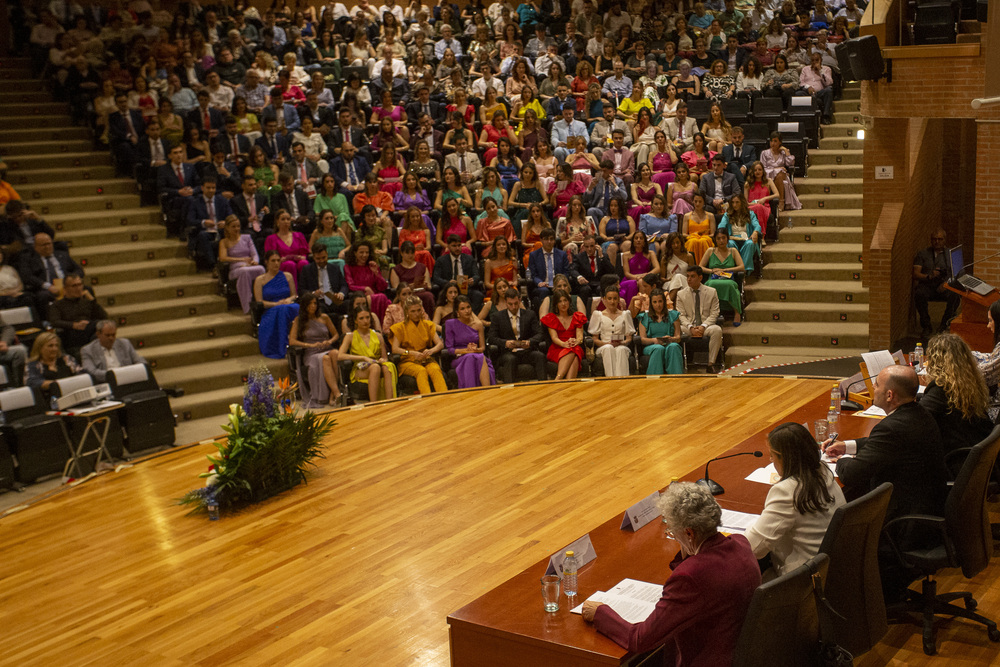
<point x="420" y="507"/>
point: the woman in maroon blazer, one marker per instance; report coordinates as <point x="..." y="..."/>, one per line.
<point x="706" y="598"/>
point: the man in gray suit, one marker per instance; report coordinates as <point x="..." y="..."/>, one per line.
<point x="719" y="186"/>
<point x="680" y="130"/>
<point x="107" y="352"/>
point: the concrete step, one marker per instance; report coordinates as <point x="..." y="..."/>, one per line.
<point x="819" y="234"/>
<point x="25" y="96"/>
<point x="20" y="148"/>
<point x="88" y="204"/>
<point x="165" y="311"/>
<point x="20" y="80"/>
<point x="828" y="202"/>
<point x="38" y="120"/>
<point x="202" y="384"/>
<point x="841" y="130"/>
<point x="842" y="144"/>
<point x="804" y="254"/>
<point x="807" y="291"/>
<point x="203" y="327"/>
<point x="850" y="171"/>
<point x="21" y="109"/>
<point x="106" y="218"/>
<point x="819" y="217"/>
<point x="738" y="354"/>
<point x="46" y="191"/>
<point x="189" y="353"/>
<point x="82" y="240"/>
<point x="833" y="271"/>
<point x="60" y="131"/>
<point x="104" y="172"/>
<point x="135" y="252"/>
<point x="805" y="334"/>
<point x="852" y="91"/>
<point x="834" y="186"/>
<point x="768" y="311"/>
<point x="158" y="289"/>
<point x="847" y="118"/>
<point x="66" y="161"/>
<point x="127" y="271"/>
<point x="832" y="156"/>
<point x="847" y="106"/>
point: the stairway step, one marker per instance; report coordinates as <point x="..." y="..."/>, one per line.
<point x="189" y="328"/>
<point x="97" y="219"/>
<point x="820" y="234"/>
<point x="842" y="144"/>
<point x="737" y="354"/>
<point x="113" y="186"/>
<point x="111" y="274"/>
<point x="847" y="171"/>
<point x="65" y="161"/>
<point x="165" y="311"/>
<point x="833" y="156"/>
<point x="21" y="109"/>
<point x="88" y="204"/>
<point x="59" y="131"/>
<point x="841" y="130"/>
<point x="201" y="352"/>
<point x="765" y="311"/>
<point x="847" y="106"/>
<point x="822" y="217"/>
<point x="807" y="334"/>
<point x="38" y="120"/>
<point x="847" y="118"/>
<point x="828" y="202"/>
<point x="837" y="186"/>
<point x="201" y="381"/>
<point x="116" y="295"/>
<point x="808" y="291"/>
<point x="852" y="91"/>
<point x="17" y="80"/>
<point x="8" y="96"/>
<point x="21" y="148"/>
<point x="101" y="172"/>
<point x="803" y="254"/>
<point x="812" y="271"/>
<point x="135" y="252"/>
<point x="81" y="240"/>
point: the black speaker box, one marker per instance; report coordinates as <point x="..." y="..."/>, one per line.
<point x="863" y="58"/>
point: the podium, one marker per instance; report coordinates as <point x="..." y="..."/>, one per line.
<point x="970" y="324"/>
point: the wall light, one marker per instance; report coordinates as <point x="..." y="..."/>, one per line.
<point x="861" y="134"/>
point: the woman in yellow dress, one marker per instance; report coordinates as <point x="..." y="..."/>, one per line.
<point x="628" y="110"/>
<point x="698" y="227"/>
<point x="365" y="347"/>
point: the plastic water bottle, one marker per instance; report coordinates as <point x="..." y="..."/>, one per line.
<point x="570" y="566"/>
<point x="917" y="358"/>
<point x="835" y="399"/>
<point x="212" y="505"/>
<point x="54" y="403"/>
<point x="832" y="422"/>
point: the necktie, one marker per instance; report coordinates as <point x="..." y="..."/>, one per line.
<point x="252" y="206"/>
<point x="593" y="265"/>
<point x="736" y="153"/>
<point x="211" y="209"/>
<point x="352" y="176"/>
<point x="131" y="127"/>
<point x="454" y="268"/>
<point x="607" y="194"/>
<point x="548" y="269"/>
<point x="293" y="205"/>
<point x="157" y="150"/>
<point x="236" y="147"/>
<point x="53" y="271"/>
<point x="697" y="308"/>
<point x="324" y="284"/>
<point x="346" y="132"/>
<point x="461" y="163"/>
<point x="427" y="109"/>
<point x="205" y="121"/>
<point x="180" y="175"/>
<point x="517" y="326"/>
<point x="680" y="130"/>
<point x="274" y="146"/>
<point x="302" y="172"/>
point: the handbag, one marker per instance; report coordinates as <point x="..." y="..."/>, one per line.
<point x="828" y="653"/>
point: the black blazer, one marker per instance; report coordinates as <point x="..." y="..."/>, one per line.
<point x="500" y="330"/>
<point x="238" y="204"/>
<point x="956" y="430"/>
<point x="215" y="119"/>
<point x="339" y="169"/>
<point x="225" y="144"/>
<point x="322" y="116"/>
<point x="146" y="153"/>
<point x="309" y="279"/>
<point x="118" y="127"/>
<point x="167" y="182"/>
<point x="33" y="272"/>
<point x="443" y="270"/>
<point x="904" y="449"/>
<point x="581" y="267"/>
<point x="183" y="76"/>
<point x="748" y="155"/>
<point x="415" y="108"/>
<point x="336" y="137"/>
<point x="280" y="200"/>
<point x="284" y="148"/>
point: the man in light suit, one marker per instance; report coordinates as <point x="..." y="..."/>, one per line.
<point x="325" y="280"/>
<point x="739" y="157"/>
<point x="621" y="157"/>
<point x="205" y="215"/>
<point x="698" y="307"/>
<point x="544" y="264"/>
<point x="469" y="167"/>
<point x="517" y="333"/>
<point x="680" y="130"/>
<point x="468" y="273"/>
<point x="107" y="351"/>
<point x="718" y="185"/>
<point x="603" y="189"/>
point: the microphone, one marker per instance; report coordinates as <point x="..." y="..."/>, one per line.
<point x="714" y="486"/>
<point x="976" y="262"/>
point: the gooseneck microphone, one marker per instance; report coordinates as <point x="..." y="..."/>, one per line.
<point x="714" y="486"/>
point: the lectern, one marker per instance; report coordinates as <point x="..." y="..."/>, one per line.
<point x="970" y="324"/>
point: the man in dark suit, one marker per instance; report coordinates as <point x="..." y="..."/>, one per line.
<point x="177" y="181"/>
<point x="75" y="315"/>
<point x="153" y="154"/>
<point x="322" y="115"/>
<point x="739" y="157"/>
<point x="424" y="104"/>
<point x="233" y="145"/>
<point x="205" y="215"/>
<point x="18" y="227"/>
<point x="544" y="264"/>
<point x="345" y="132"/>
<point x="461" y="268"/>
<point x="274" y="143"/>
<point x="296" y="202"/>
<point x="719" y="186"/>
<point x="125" y="133"/>
<point x="426" y="132"/>
<point x="283" y="113"/>
<point x="304" y="172"/>
<point x="43" y="270"/>
<point x="350" y="169"/>
<point x="603" y="189"/>
<point x="208" y="120"/>
<point x="399" y="86"/>
<point x="227" y="175"/>
<point x="325" y="280"/>
<point x="904" y="449"/>
<point x="518" y="335"/>
<point x="251" y="208"/>
<point x="586" y="270"/>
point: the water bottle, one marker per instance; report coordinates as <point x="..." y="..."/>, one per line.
<point x="917" y="358"/>
<point x="833" y="422"/>
<point x="54" y="404"/>
<point x="212" y="505"/>
<point x="835" y="399"/>
<point x="570" y="566"/>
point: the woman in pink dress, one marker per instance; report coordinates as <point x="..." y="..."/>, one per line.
<point x="490" y="136"/>
<point x="777" y="160"/>
<point x="662" y="160"/>
<point x="292" y="246"/>
<point x="637" y="262"/>
<point x="698" y="158"/>
<point x="453" y="221"/>
<point x="545" y="164"/>
<point x="389" y="169"/>
<point x="393" y="112"/>
<point x="563" y="188"/>
<point x="362" y="274"/>
<point x="643" y="191"/>
<point x="238" y="251"/>
<point x="680" y="193"/>
<point x="761" y="194"/>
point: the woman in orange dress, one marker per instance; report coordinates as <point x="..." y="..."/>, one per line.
<point x="699" y="228"/>
<point x="566" y="332"/>
<point x="531" y="234"/>
<point x="415" y="230"/>
<point x="501" y="262"/>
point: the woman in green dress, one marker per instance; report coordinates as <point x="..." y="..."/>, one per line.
<point x="722" y="261"/>
<point x="376" y="232"/>
<point x="330" y="199"/>
<point x="335" y="238"/>
<point x="525" y="192"/>
<point x="452" y="188"/>
<point x="265" y="173"/>
<point x="660" y="335"/>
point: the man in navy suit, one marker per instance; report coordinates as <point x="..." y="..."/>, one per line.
<point x="296" y="202"/>
<point x="350" y="170"/>
<point x="544" y="264"/>
<point x="461" y="268"/>
<point x="125" y="132"/>
<point x="205" y="215"/>
<point x="274" y="143"/>
<point x="739" y="157"/>
<point x="177" y="181"/>
<point x="346" y="132"/>
<point x="603" y="189"/>
<point x="154" y="152"/>
<point x="283" y="113"/>
<point x="424" y="104"/>
<point x="251" y="208"/>
<point x="208" y="120"/>
<point x="233" y="145"/>
<point x="325" y="280"/>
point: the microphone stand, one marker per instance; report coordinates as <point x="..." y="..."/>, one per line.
<point x="714" y="487"/>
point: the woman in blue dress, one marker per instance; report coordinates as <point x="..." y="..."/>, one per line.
<point x="506" y="163"/>
<point x="660" y="335"/>
<point x="617" y="223"/>
<point x="744" y="230"/>
<point x="273" y="289"/>
<point x="659" y="222"/>
<point x="464" y="336"/>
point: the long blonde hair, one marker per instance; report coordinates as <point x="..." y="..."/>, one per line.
<point x="951" y="365"/>
<point x="41" y="341"/>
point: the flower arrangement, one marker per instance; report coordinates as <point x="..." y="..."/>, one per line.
<point x="268" y="447"/>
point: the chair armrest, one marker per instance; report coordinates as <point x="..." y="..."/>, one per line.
<point x="954" y="459"/>
<point x="918" y="519"/>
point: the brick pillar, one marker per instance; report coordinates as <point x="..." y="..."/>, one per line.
<point x="988" y="203"/>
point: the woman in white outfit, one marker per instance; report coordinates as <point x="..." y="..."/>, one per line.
<point x="612" y="330"/>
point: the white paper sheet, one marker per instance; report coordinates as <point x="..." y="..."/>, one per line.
<point x="633" y="600"/>
<point x="873" y="411"/>
<point x="767" y="475"/>
<point x="737" y="522"/>
<point x="877" y="360"/>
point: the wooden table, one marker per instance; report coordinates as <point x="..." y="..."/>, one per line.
<point x="508" y="627"/>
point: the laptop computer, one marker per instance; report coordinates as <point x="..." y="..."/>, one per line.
<point x="956" y="265"/>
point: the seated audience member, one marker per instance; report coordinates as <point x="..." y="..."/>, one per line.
<point x="639" y="260"/>
<point x="660" y="335"/>
<point x="206" y="118"/>
<point x="956" y="396"/>
<point x="989" y="362"/>
<point x="324" y="280"/>
<point x="680" y="129"/>
<point x="698" y="306"/>
<point x="48" y="363"/>
<point x="739" y="157"/>
<point x="18" y="227"/>
<point x="367" y="349"/>
<point x="461" y="268"/>
<point x="206" y="215"/>
<point x="548" y="305"/>
<point x="408" y="272"/>
<point x="291" y="245"/>
<point x="76" y="314"/>
<point x="465" y="337"/>
<point x="470" y="169"/>
<point x="416" y="339"/>
<point x="719" y="186"/>
<point x="544" y="264"/>
<point x="13" y="355"/>
<point x="275" y="290"/>
<point x="239" y="252"/>
<point x="674" y="262"/>
<point x="930" y="275"/>
<point x="517" y="334"/>
<point x="107" y="352"/>
<point x="305" y="173"/>
<point x="798" y="508"/>
<point x="743" y="229"/>
<point x="817" y="79"/>
<point x="903" y="449"/>
<point x="126" y="130"/>
<point x="612" y="330"/>
<point x="719" y="263"/>
<point x="313" y="331"/>
<point x="178" y="182"/>
<point x="351" y="170"/>
<point x="362" y="273"/>
<point x="705" y="599"/>
<point x="564" y="128"/>
<point x="603" y="189"/>
<point x="566" y="327"/>
<point x="43" y="270"/>
<point x="589" y="265"/>
<point x="251" y="208"/>
<point x="294" y="200"/>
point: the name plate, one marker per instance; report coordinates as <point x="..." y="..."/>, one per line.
<point x="583" y="549"/>
<point x="641" y="513"/>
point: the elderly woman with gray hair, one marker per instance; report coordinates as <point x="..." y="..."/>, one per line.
<point x="706" y="598"/>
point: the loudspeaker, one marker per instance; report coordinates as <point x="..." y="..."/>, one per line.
<point x="864" y="58"/>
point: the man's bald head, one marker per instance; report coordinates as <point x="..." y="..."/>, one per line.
<point x="895" y="386"/>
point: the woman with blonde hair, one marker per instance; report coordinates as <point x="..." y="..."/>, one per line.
<point x="956" y="396"/>
<point x="48" y="363"/>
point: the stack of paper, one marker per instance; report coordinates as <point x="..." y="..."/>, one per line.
<point x="633" y="600"/>
<point x="737" y="522"/>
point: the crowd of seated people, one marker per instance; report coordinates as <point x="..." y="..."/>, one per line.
<point x="435" y="145"/>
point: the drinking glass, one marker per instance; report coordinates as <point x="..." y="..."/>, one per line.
<point x="820" y="428"/>
<point x="550" y="592"/>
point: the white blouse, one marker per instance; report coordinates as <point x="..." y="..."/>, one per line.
<point x="607" y="329"/>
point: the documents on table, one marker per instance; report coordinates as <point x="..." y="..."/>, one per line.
<point x="737" y="522"/>
<point x="874" y="411"/>
<point x="768" y="475"/>
<point x="633" y="600"/>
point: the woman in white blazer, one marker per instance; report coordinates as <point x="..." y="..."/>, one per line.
<point x="800" y="506"/>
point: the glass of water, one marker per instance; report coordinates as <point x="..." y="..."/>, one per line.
<point x="820" y="428"/>
<point x="550" y="592"/>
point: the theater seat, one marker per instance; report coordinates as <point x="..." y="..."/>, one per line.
<point x="35" y="439"/>
<point x="146" y="419"/>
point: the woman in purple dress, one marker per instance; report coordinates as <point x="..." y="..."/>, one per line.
<point x="413" y="195"/>
<point x="464" y="337"/>
<point x="319" y="374"/>
<point x="239" y="252"/>
<point x="680" y="193"/>
<point x="778" y="163"/>
<point x="636" y="263"/>
<point x="643" y="191"/>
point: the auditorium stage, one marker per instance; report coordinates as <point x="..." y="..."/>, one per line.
<point x="421" y="506"/>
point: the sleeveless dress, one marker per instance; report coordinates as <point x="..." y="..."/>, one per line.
<point x="458" y="334"/>
<point x="272" y="333"/>
<point x="334" y="244"/>
<point x="646" y="197"/>
<point x="390" y="174"/>
<point x="578" y="320"/>
<point x="457" y="227"/>
<point x="402" y="201"/>
<point x="532" y="242"/>
<point x="299" y="247"/>
<point x="663" y="359"/>
<point x="728" y="291"/>
<point x="698" y="245"/>
<point x="638" y="265"/>
<point x="508" y="174"/>
<point x="682" y="202"/>
<point x="314" y="393"/>
<point x="676" y="273"/>
<point x="524" y="196"/>
<point x="422" y="255"/>
<point x="546" y="173"/>
<point x="373" y="350"/>
<point x="242" y="272"/>
<point x="762" y="211"/>
<point x="663" y="170"/>
<point x="613" y="228"/>
<point x="505" y="271"/>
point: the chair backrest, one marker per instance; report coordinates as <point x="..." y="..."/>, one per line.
<point x="698" y="109"/>
<point x="14" y="316"/>
<point x="782" y="624"/>
<point x="853" y="584"/>
<point x="72" y="383"/>
<point x="802" y="106"/>
<point x="768" y="107"/>
<point x="732" y="108"/>
<point x="131" y="379"/>
<point x="965" y="510"/>
<point x="21" y="402"/>
<point x="756" y="133"/>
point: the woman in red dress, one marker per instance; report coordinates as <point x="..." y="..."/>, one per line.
<point x="566" y="331"/>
